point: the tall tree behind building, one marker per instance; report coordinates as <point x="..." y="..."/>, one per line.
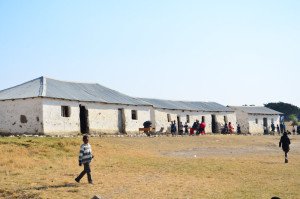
<point x="287" y="109"/>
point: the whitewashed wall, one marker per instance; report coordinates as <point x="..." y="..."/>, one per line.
<point x="103" y="118"/>
<point x="161" y="119"/>
<point x="54" y="123"/>
<point x="10" y="112"/>
<point x="231" y="117"/>
<point x="259" y="128"/>
<point x="243" y="121"/>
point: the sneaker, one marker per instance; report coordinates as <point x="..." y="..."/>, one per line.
<point x="77" y="180"/>
<point x="91" y="182"/>
<point x="286" y="161"/>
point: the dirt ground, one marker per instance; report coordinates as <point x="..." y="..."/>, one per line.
<point x="210" y="166"/>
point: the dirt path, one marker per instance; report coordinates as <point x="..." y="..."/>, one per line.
<point x="227" y="151"/>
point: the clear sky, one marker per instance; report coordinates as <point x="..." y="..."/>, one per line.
<point x="230" y="52"/>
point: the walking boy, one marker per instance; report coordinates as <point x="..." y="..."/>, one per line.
<point x="285" y="143"/>
<point x="85" y="158"/>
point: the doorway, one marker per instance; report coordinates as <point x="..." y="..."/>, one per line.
<point x="121" y="124"/>
<point x="178" y="122"/>
<point x="84" y="121"/>
<point x="265" y="124"/>
<point x="214" y="126"/>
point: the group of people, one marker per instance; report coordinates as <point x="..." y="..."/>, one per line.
<point x="197" y="128"/>
<point x="229" y="129"/>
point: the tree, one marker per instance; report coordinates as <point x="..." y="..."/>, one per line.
<point x="285" y="108"/>
<point x="294" y="119"/>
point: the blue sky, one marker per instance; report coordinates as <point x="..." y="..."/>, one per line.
<point x="231" y="52"/>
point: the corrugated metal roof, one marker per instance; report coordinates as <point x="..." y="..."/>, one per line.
<point x="256" y="110"/>
<point x="186" y="105"/>
<point x="46" y="87"/>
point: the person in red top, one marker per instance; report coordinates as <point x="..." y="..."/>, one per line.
<point x="231" y="128"/>
<point x="202" y="128"/>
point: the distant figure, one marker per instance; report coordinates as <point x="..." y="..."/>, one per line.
<point x="173" y="128"/>
<point x="202" y="128"/>
<point x="194" y="127"/>
<point x="238" y="128"/>
<point x="186" y="128"/>
<point x="285" y="144"/>
<point x="283" y="125"/>
<point x="272" y="127"/>
<point x="180" y="128"/>
<point x="278" y="129"/>
<point x="225" y="129"/>
<point x="294" y="129"/>
<point x="85" y="158"/>
<point x="231" y="128"/>
<point x="281" y="128"/>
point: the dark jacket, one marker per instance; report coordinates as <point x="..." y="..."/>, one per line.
<point x="285" y="142"/>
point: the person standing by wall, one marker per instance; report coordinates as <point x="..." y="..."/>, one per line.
<point x="173" y="128"/>
<point x="202" y="128"/>
<point x="231" y="128"/>
<point x="238" y="128"/>
<point x="186" y="128"/>
<point x="278" y="129"/>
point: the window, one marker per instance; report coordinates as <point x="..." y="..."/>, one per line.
<point x="203" y="118"/>
<point x="23" y="119"/>
<point x="169" y="117"/>
<point x="225" y="119"/>
<point x="256" y="121"/>
<point x="134" y="115"/>
<point x="65" y="111"/>
<point x="187" y="118"/>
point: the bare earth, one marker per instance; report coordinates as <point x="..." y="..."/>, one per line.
<point x="210" y="166"/>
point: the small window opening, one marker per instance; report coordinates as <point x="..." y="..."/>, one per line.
<point x="65" y="111"/>
<point x="23" y="119"/>
<point x="169" y="117"/>
<point x="256" y="121"/>
<point x="187" y="118"/>
<point x="203" y="119"/>
<point x="134" y="115"/>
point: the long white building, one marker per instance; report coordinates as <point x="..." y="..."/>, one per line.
<point x="52" y="107"/>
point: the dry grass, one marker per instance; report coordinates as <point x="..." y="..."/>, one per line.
<point x="162" y="167"/>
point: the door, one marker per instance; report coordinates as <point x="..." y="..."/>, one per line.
<point x="265" y="124"/>
<point x="214" y="126"/>
<point x="84" y="121"/>
<point x="178" y="122"/>
<point x="121" y="126"/>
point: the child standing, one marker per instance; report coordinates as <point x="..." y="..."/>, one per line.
<point x="85" y="158"/>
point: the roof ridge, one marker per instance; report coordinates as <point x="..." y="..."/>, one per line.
<point x="43" y="86"/>
<point x="20" y="84"/>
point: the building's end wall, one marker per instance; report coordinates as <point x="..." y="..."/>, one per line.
<point x="32" y="117"/>
<point x="258" y="128"/>
<point x="243" y="121"/>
